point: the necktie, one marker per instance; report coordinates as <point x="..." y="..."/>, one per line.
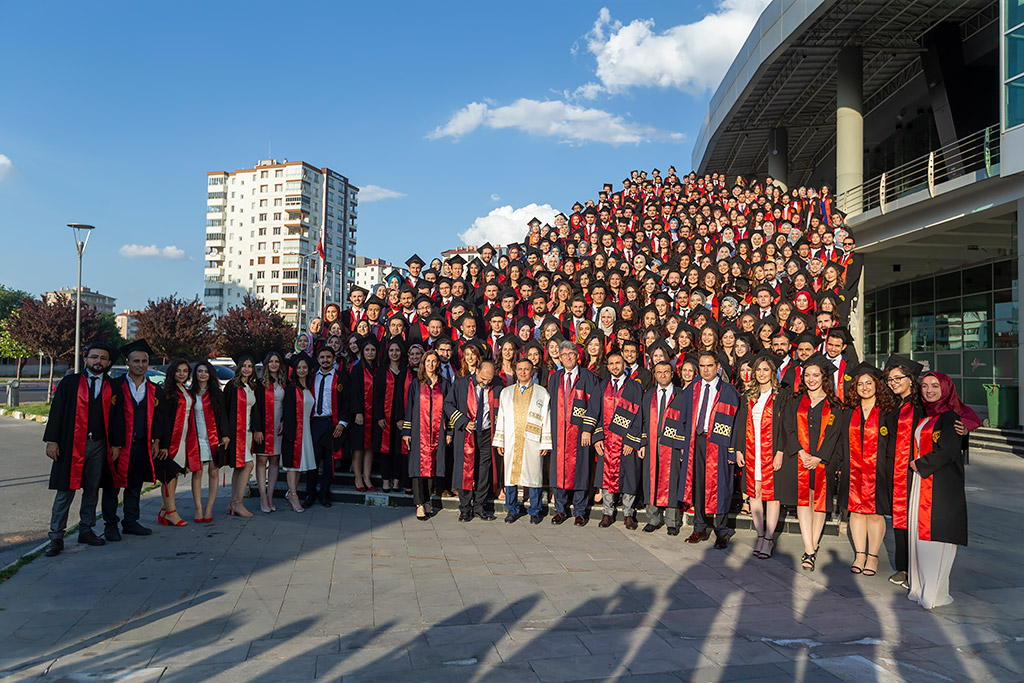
<point x="703" y="409"/>
<point x="320" y="395"/>
<point x="481" y="408"/>
<point x="92" y="388"/>
<point x="661" y="413"/>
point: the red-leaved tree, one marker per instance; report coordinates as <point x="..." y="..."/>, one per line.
<point x="255" y="326"/>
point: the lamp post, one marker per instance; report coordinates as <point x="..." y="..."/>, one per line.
<point x="79" y="230"/>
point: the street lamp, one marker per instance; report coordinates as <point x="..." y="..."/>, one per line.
<point x="79" y="229"/>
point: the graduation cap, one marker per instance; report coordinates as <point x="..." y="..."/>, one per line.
<point x="357" y="288"/>
<point x="507" y="293"/>
<point x="768" y="356"/>
<point x="423" y="298"/>
<point x="415" y="260"/>
<point x="576" y="207"/>
<point x="457" y="259"/>
<point x="663" y="296"/>
<point x="510" y="339"/>
<point x="840" y="332"/>
<point x="820" y="360"/>
<point x="591" y="211"/>
<point x="394" y="274"/>
<point x="700" y="310"/>
<point x="243" y="356"/>
<point x="911" y="366"/>
<point x="765" y="288"/>
<point x="496" y="312"/>
<point x="533" y="222"/>
<point x="488" y="245"/>
<point x="137" y="345"/>
<point x="809" y="338"/>
<point x="302" y="356"/>
<point x="865" y="368"/>
<point x="463" y="318"/>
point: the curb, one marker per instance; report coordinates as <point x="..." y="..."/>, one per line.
<point x="19" y="415"/>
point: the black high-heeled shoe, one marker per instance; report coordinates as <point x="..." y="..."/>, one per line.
<point x="866" y="571"/>
<point x="807" y="561"/>
<point x="854" y="569"/>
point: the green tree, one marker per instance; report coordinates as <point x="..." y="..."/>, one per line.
<point x="10" y="299"/>
<point x="11" y="348"/>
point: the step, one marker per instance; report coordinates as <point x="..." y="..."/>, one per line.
<point x="342" y="492"/>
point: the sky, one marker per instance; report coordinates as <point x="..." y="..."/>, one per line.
<point x="458" y="121"/>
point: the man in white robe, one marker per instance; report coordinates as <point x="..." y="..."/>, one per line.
<point x="522" y="436"/>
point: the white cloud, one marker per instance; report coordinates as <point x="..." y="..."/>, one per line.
<point x="568" y="122"/>
<point x="169" y="253"/>
<point x="375" y="193"/>
<point x="6" y="167"/>
<point x="505" y="224"/>
<point x="691" y="57"/>
<point x="495" y="197"/>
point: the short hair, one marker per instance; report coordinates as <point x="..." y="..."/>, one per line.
<point x="710" y="354"/>
<point x="567" y="345"/>
<point x="444" y="342"/>
<point x="524" y="359"/>
<point x="326" y="347"/>
<point x="102" y="346"/>
<point x="660" y="363"/>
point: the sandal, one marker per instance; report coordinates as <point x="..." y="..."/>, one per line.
<point x="771" y="550"/>
<point x="807" y="561"/>
<point x="757" y="553"/>
<point x="745" y="508"/>
<point x="854" y="569"/>
<point x="869" y="572"/>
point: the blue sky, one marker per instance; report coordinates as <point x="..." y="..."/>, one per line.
<point x="112" y="114"/>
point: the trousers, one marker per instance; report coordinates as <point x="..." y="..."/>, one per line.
<point x="92" y="471"/>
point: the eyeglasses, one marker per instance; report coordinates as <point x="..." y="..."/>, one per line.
<point x="895" y="380"/>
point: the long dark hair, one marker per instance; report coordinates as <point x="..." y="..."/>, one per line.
<point x="282" y="370"/>
<point x="212" y="384"/>
<point x="170" y="385"/>
<point x="884" y="398"/>
<point x="309" y="372"/>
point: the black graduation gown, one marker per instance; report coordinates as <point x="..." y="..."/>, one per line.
<point x="389" y="405"/>
<point x="616" y="471"/>
<point x="942" y="508"/>
<point x="643" y="376"/>
<point x="294" y="425"/>
<point x="267" y="405"/>
<point x="460" y="410"/>
<point x="68" y="427"/>
<point x="864" y="445"/>
<point x="901" y="424"/>
<point x="720" y="456"/>
<point x="797" y="485"/>
<point x="571" y="463"/>
<point x="141" y="424"/>
<point x="425" y="424"/>
<point x="361" y="400"/>
<point x="742" y="442"/>
<point x="174" y="425"/>
<point x="662" y="449"/>
<point x="234" y="426"/>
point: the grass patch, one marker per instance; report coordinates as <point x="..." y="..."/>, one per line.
<point x="12" y="569"/>
<point x="34" y="408"/>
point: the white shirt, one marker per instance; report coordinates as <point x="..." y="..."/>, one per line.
<point x="713" y="388"/>
<point x="138" y="392"/>
<point x="617" y="383"/>
<point x="328" y="381"/>
<point x="666" y="393"/>
<point x="570" y="376"/>
<point x="97" y="388"/>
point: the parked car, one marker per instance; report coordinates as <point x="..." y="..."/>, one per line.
<point x="153" y="375"/>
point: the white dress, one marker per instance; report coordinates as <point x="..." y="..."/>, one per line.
<point x="250" y="400"/>
<point x="759" y="405"/>
<point x="204" y="441"/>
<point x="278" y="411"/>
<point x="930" y="561"/>
<point x="308" y="461"/>
<point x="181" y="455"/>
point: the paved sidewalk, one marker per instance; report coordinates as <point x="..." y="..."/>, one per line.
<point x="373" y="594"/>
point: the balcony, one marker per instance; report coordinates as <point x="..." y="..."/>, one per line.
<point x="297" y="218"/>
<point x="215" y="238"/>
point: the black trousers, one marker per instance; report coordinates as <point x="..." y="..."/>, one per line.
<point x="319" y="479"/>
<point x="901" y="538"/>
<point x="421" y="489"/>
<point x="139" y="472"/>
<point x="479" y="497"/>
<point x="701" y="520"/>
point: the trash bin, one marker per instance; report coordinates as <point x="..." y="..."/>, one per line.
<point x="1002" y="405"/>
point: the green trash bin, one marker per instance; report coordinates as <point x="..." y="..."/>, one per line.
<point x="1002" y="406"/>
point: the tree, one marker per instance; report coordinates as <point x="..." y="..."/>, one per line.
<point x="254" y="326"/>
<point x="177" y="328"/>
<point x="10" y="299"/>
<point x="49" y="326"/>
<point x="106" y="330"/>
<point x="10" y="348"/>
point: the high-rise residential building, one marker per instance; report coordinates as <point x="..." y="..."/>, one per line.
<point x="100" y="302"/>
<point x="284" y="231"/>
<point x="127" y="323"/>
<point x="371" y="272"/>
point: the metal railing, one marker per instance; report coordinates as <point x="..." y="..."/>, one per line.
<point x="976" y="152"/>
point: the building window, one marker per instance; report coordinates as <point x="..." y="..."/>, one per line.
<point x="278" y="173"/>
<point x="277" y="202"/>
<point x="259" y="274"/>
<point x="273" y="289"/>
<point x="261" y="260"/>
<point x="263" y="217"/>
<point x="262" y="232"/>
<point x="275" y="274"/>
<point x="290" y="274"/>
<point x="263" y="203"/>
<point x="277" y="231"/>
<point x="261" y="245"/>
<point x="275" y="260"/>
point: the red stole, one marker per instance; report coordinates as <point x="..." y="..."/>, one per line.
<point x="804" y="474"/>
<point x="242" y="409"/>
<point x="81" y="433"/>
<point x="711" y="455"/>
<point x="367" y="407"/>
<point x="660" y="478"/>
<point x="192" y="463"/>
<point x="409" y="374"/>
<point x="300" y="413"/>
<point x="904" y="450"/>
<point x="924" y="504"/>
<point x="269" y="428"/>
<point x="389" y="405"/>
<point x="430" y="404"/>
<point x="767" y="450"/>
<point x="611" y="400"/>
<point x="119" y="470"/>
<point x="863" y="460"/>
<point x="568" y="433"/>
<point x="210" y="421"/>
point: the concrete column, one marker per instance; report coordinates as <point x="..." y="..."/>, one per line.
<point x="778" y="156"/>
<point x="850" y="125"/>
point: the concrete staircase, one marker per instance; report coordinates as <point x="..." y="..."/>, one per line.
<point x="1009" y="441"/>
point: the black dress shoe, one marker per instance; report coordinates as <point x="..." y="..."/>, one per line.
<point x="487" y="516"/>
<point x="673" y="531"/>
<point x="606" y="521"/>
<point x="650" y="528"/>
<point x="721" y="542"/>
<point x="511" y="518"/>
<point x="581" y="520"/>
<point x="111" y="535"/>
<point x="135" y="529"/>
<point x="326" y="501"/>
<point x="309" y="501"/>
<point x="557" y="518"/>
<point x="89" y="537"/>
<point x="56" y="545"/>
<point x="465" y="516"/>
<point x="535" y="519"/>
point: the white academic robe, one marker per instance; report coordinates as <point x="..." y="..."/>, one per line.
<point x="534" y="433"/>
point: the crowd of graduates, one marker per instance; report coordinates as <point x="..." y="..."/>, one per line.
<point x="681" y="342"/>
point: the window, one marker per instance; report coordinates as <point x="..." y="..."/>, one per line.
<point x="263" y="174"/>
<point x="250" y="262"/>
<point x="275" y="274"/>
<point x="290" y="274"/>
<point x="261" y="260"/>
<point x="273" y="289"/>
<point x="263" y="203"/>
<point x="259" y="274"/>
<point x="216" y="181"/>
<point x="262" y="232"/>
<point x="277" y="231"/>
<point x="277" y="202"/>
<point x="278" y="187"/>
<point x="275" y="260"/>
<point x="277" y="246"/>
<point x="263" y="188"/>
<point x="259" y="289"/>
<point x="263" y="217"/>
<point x="278" y="173"/>
<point x="261" y="246"/>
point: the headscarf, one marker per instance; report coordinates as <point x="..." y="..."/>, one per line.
<point x="950" y="401"/>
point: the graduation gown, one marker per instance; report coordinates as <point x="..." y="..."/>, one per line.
<point x="816" y="430"/>
<point x="864" y="445"/>
<point x="661" y="444"/>
<point x="236" y="405"/>
<point x="720" y="454"/>
<point x="360" y="386"/>
<point x="68" y="427"/>
<point x="424" y="423"/>
<point x="773" y="440"/>
<point x="294" y="426"/>
<point x="213" y="421"/>
<point x="179" y="421"/>
<point x="942" y="506"/>
<point x="901" y="424"/>
<point x="641" y="375"/>
<point x="572" y="416"/>
<point x="461" y="408"/>
<point x="389" y="405"/>
<point x="523" y="429"/>
<point x="141" y="425"/>
<point x="267" y="409"/>
<point x="621" y="424"/>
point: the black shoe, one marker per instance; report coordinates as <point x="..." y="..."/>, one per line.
<point x="650" y="528"/>
<point x="558" y="518"/>
<point x="309" y="501"/>
<point x="581" y="520"/>
<point x="511" y="518"/>
<point x="56" y="545"/>
<point x="721" y="542"/>
<point x="326" y="501"/>
<point x="135" y="529"/>
<point x="535" y="519"/>
<point x="487" y="516"/>
<point x="111" y="534"/>
<point x="89" y="537"/>
<point x="673" y="531"/>
<point x="465" y="516"/>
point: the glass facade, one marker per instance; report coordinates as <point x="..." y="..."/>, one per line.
<point x="962" y="323"/>
<point x="1013" y="63"/>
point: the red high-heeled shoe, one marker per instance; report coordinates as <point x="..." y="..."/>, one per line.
<point x="166" y="522"/>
